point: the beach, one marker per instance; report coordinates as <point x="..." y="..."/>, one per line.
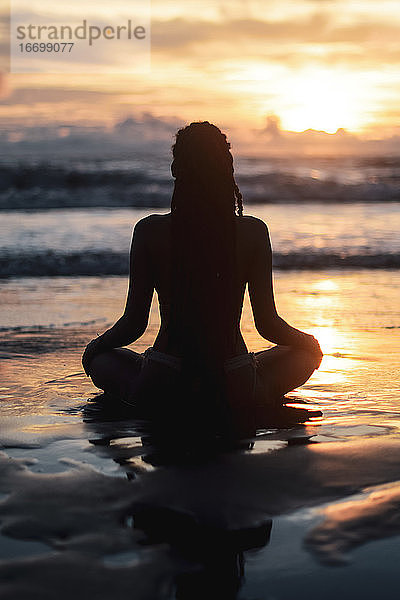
<point x="327" y="492"/>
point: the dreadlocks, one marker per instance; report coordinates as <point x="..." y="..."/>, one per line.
<point x="201" y="146"/>
<point x="204" y="203"/>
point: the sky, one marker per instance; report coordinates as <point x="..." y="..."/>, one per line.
<point x="246" y="65"/>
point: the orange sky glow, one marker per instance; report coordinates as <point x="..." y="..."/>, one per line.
<point x="313" y="64"/>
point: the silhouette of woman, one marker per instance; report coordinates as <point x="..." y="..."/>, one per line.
<point x="199" y="258"/>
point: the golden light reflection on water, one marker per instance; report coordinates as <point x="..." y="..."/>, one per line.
<point x="336" y="366"/>
<point x="326" y="303"/>
<point x="330" y="339"/>
<point x="322" y="302"/>
<point x="325" y="285"/>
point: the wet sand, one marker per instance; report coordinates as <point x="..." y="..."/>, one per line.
<point x="91" y="505"/>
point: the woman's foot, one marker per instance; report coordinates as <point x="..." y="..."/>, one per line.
<point x="281" y="415"/>
<point x="298" y="415"/>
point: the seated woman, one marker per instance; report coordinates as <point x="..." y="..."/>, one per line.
<point x="199" y="258"/>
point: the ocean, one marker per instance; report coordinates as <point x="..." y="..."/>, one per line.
<point x="75" y="218"/>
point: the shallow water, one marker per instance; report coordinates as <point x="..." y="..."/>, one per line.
<point x="63" y="514"/>
<point x="96" y="241"/>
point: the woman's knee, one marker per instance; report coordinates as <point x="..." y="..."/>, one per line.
<point x="115" y="358"/>
<point x="99" y="369"/>
<point x="307" y="358"/>
<point x="287" y="355"/>
<point x="114" y="370"/>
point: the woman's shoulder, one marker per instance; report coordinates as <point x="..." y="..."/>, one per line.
<point x="252" y="225"/>
<point x="153" y="233"/>
<point x="254" y="221"/>
<point x="152" y="221"/>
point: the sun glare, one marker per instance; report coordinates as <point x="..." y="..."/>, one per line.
<point x="323" y="101"/>
<point x="328" y="338"/>
<point x="325" y="285"/>
<point x="309" y="98"/>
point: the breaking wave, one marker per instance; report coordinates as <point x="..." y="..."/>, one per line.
<point x="69" y="185"/>
<point x="52" y="263"/>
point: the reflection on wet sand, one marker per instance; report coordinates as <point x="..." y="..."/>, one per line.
<point x="373" y="515"/>
<point x="211" y="507"/>
<point x="212" y="540"/>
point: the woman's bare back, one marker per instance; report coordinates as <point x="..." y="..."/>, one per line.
<point x="158" y="234"/>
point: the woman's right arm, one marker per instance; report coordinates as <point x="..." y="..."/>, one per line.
<point x="267" y="321"/>
<point x="134" y="320"/>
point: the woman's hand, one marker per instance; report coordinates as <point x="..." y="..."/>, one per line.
<point x="92" y="349"/>
<point x="311" y="343"/>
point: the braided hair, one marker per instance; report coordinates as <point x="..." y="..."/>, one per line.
<point x="202" y="147"/>
<point x="206" y="198"/>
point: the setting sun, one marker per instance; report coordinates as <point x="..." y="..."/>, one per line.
<point x="323" y="100"/>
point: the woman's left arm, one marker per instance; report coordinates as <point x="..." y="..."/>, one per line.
<point x="134" y="320"/>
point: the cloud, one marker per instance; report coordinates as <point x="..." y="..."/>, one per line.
<point x="318" y="28"/>
<point x="141" y="132"/>
<point x="318" y="39"/>
<point x="4" y="86"/>
<point x="275" y="141"/>
<point x="147" y="132"/>
<point x="31" y="95"/>
<point x="181" y="32"/>
<point x="148" y="125"/>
